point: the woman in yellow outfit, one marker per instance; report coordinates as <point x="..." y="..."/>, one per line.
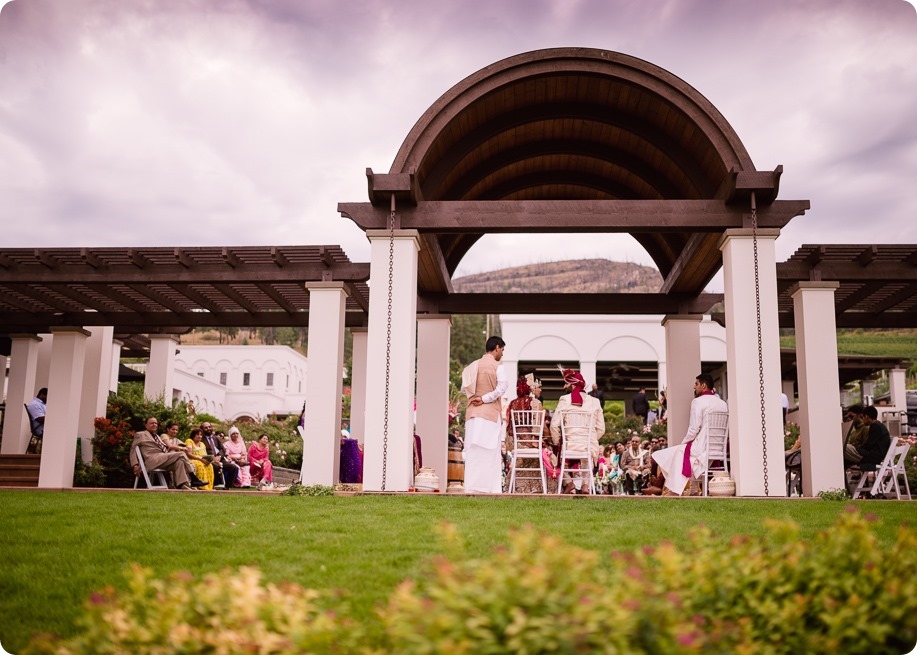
<point x="199" y="457"/>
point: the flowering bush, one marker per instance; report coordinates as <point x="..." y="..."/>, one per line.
<point x="228" y="612"/>
<point x="790" y="434"/>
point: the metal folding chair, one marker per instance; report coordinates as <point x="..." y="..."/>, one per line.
<point x="156" y="473"/>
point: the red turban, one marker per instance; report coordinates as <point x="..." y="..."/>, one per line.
<point x="577" y="382"/>
<point x="522" y="387"/>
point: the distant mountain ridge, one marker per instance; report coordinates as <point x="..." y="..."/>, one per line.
<point x="570" y="276"/>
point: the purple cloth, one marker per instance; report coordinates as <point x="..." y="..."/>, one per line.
<point x="686" y="464"/>
<point x="351" y="462"/>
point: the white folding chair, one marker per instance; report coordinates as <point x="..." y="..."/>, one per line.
<point x="886" y="475"/>
<point x="528" y="430"/>
<point x="156" y="473"/>
<point x="717" y="445"/>
<point x="576" y="423"/>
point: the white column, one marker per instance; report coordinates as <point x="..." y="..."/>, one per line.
<point x="663" y="376"/>
<point x="683" y="365"/>
<point x="819" y="387"/>
<point x="745" y="425"/>
<point x="65" y="382"/>
<point x="43" y="365"/>
<point x="96" y="374"/>
<point x="511" y="370"/>
<point x="161" y="369"/>
<point x="897" y="384"/>
<point x="867" y="391"/>
<point x="115" y="365"/>
<point x="433" y="337"/>
<point x="390" y="364"/>
<point x="322" y="447"/>
<point x="20" y="391"/>
<point x="587" y="370"/>
<point x="358" y="384"/>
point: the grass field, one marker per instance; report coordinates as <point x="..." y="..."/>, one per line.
<point x="58" y="547"/>
<point x="897" y="343"/>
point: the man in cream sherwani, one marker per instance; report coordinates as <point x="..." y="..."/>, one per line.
<point x="677" y="466"/>
<point x="484" y="382"/>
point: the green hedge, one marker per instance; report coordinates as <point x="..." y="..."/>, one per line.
<point x="837" y="593"/>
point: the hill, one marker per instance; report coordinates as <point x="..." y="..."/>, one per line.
<point x="573" y="276"/>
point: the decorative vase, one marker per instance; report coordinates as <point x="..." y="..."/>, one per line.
<point x="721" y="485"/>
<point x="426" y="480"/>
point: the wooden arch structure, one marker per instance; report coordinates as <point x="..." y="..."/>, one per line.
<point x="573" y="140"/>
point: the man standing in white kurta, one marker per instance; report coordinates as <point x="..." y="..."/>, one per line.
<point x="484" y="382"/>
<point x="688" y="459"/>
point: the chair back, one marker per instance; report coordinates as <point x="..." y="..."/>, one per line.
<point x="528" y="429"/>
<point x="576" y="423"/>
<point x="717" y="436"/>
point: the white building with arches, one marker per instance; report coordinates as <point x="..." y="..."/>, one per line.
<point x="598" y="344"/>
<point x="239" y="382"/>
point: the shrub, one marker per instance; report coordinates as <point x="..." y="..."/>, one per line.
<point x="790" y="434"/>
<point x="229" y="612"/>
<point x="299" y="489"/>
<point x="87" y="475"/>
<point x="838" y="594"/>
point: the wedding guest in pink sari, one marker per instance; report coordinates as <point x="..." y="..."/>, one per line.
<point x="235" y="450"/>
<point x="259" y="461"/>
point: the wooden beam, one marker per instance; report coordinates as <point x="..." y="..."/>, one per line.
<point x="568" y="303"/>
<point x="356" y="294"/>
<point x="895" y="299"/>
<point x="851" y="271"/>
<point x="198" y="298"/>
<point x="237" y="298"/>
<point x="278" y="257"/>
<point x="139" y="260"/>
<point x="182" y="257"/>
<point x="15" y="322"/>
<point x="91" y="259"/>
<point x="498" y="216"/>
<point x="277" y="297"/>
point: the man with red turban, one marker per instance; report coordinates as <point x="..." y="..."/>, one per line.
<point x="579" y="440"/>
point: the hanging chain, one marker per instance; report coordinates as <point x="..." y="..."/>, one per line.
<point x="388" y="337"/>
<point x="754" y="240"/>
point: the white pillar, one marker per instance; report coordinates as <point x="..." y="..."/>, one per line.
<point x="433" y="336"/>
<point x="96" y="382"/>
<point x="867" y="391"/>
<point x="20" y="391"/>
<point x="65" y="382"/>
<point x="511" y="370"/>
<point x="897" y="384"/>
<point x="682" y="355"/>
<point x="115" y="365"/>
<point x="43" y="365"/>
<point x="161" y="369"/>
<point x="819" y="387"/>
<point x="322" y="447"/>
<point x="587" y="370"/>
<point x="745" y="425"/>
<point x="390" y="364"/>
<point x="663" y="377"/>
<point x="358" y="384"/>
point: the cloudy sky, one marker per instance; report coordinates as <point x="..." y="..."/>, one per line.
<point x="245" y="122"/>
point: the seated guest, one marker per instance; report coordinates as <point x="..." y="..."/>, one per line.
<point x="156" y="455"/>
<point x="873" y="450"/>
<point x="170" y="438"/>
<point x="197" y="453"/>
<point x="37" y="410"/>
<point x="576" y="400"/>
<point x="635" y="464"/>
<point x="688" y="459"/>
<point x="236" y="453"/>
<point x="856" y="436"/>
<point x="225" y="472"/>
<point x="259" y="461"/>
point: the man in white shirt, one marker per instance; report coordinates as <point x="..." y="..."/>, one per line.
<point x="37" y="411"/>
<point x="688" y="459"/>
<point x="484" y="383"/>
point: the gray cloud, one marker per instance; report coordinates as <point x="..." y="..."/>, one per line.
<point x="245" y="122"/>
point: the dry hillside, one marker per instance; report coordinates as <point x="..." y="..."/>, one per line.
<point x="573" y="276"/>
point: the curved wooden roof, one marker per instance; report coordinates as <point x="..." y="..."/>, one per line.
<point x="572" y="124"/>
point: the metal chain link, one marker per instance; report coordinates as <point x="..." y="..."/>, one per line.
<point x="388" y="338"/>
<point x="754" y="239"/>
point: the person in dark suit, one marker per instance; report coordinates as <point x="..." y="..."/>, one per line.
<point x="641" y="405"/>
<point x="598" y="392"/>
<point x="225" y="471"/>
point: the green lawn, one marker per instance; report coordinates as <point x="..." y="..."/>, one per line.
<point x="897" y="343"/>
<point x="58" y="547"/>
